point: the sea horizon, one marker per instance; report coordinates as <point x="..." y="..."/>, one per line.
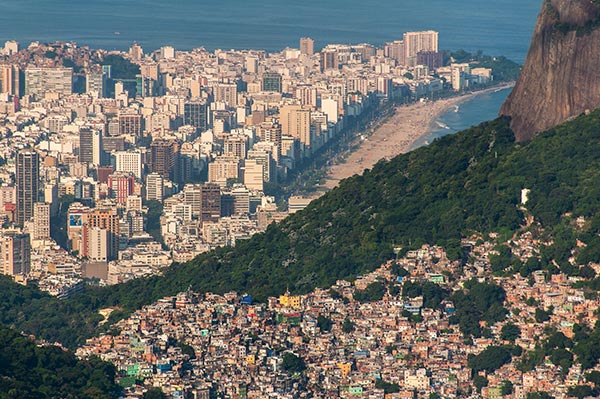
<point x="236" y="24"/>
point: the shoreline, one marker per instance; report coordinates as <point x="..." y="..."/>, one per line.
<point x="394" y="135"/>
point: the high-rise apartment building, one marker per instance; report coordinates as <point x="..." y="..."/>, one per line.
<point x="330" y="108"/>
<point x="11" y="47"/>
<point x="94" y="84"/>
<point x="136" y="52"/>
<point x="226" y="93"/>
<point x="235" y="145"/>
<point x="307" y="95"/>
<point x="415" y="42"/>
<point x="9" y="79"/>
<point x="150" y="70"/>
<point x="358" y="85"/>
<point x="432" y="59"/>
<point x="192" y="196"/>
<point x="154" y="187"/>
<point x="241" y="199"/>
<point x="90" y="146"/>
<point x="224" y="168"/>
<point x="162" y="157"/>
<point x="129" y="162"/>
<point x="121" y="186"/>
<point x="253" y="174"/>
<point x="251" y="64"/>
<point x="195" y="113"/>
<point x="41" y="221"/>
<point x="265" y="159"/>
<point x="307" y="46"/>
<point x="295" y="122"/>
<point x="211" y="203"/>
<point x="96" y="245"/>
<point x="167" y="53"/>
<point x="329" y="60"/>
<point x="130" y="124"/>
<point x="27" y="174"/>
<point x="16" y="254"/>
<point x="42" y="81"/>
<point x="396" y="50"/>
<point x="106" y="219"/>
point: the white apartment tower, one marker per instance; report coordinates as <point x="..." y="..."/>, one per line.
<point x="154" y="187"/>
<point x="415" y="42"/>
<point x="129" y="162"/>
<point x="97" y="244"/>
<point x="94" y="84"/>
<point x="253" y="174"/>
<point x="41" y="220"/>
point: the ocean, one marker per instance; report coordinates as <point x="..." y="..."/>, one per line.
<point x="502" y="27"/>
<point x="480" y="108"/>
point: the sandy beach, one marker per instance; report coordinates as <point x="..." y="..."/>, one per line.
<point x="394" y="136"/>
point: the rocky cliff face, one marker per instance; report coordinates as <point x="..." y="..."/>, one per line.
<point x="561" y="75"/>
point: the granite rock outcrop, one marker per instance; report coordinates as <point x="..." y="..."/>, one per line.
<point x="561" y="75"/>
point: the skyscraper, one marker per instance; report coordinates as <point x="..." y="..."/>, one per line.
<point x="307" y="46"/>
<point x="90" y="146"/>
<point x="211" y="203"/>
<point x="28" y="167"/>
<point x="162" y="157"/>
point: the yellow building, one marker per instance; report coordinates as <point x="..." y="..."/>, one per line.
<point x="345" y="369"/>
<point x="290" y="301"/>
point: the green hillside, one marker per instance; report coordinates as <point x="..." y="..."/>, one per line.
<point x="470" y="181"/>
<point x="28" y="371"/>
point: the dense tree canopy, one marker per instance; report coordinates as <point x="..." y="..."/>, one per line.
<point x="470" y="181"/>
<point x="120" y="67"/>
<point x="480" y="302"/>
<point x="28" y="371"/>
<point x="490" y="360"/>
<point x="293" y="363"/>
